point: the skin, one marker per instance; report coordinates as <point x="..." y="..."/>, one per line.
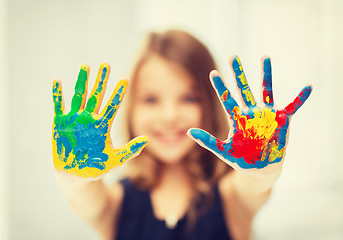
<point x="165" y="116"/>
<point x="73" y="153"/>
<point x="258" y="134"/>
<point x="160" y="92"/>
<point x="263" y="127"/>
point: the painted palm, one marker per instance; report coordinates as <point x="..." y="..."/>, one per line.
<point x="81" y="139"/>
<point x="258" y="134"/>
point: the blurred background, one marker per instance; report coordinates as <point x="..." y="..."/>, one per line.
<point x="44" y="39"/>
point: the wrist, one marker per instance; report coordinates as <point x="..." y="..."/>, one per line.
<point x="255" y="183"/>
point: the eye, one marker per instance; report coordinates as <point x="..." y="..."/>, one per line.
<point x="190" y="98"/>
<point x="149" y="100"/>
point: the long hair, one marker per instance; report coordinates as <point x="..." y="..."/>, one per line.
<point x="205" y="168"/>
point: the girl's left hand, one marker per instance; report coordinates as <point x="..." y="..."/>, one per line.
<point x="81" y="139"/>
<point x="258" y="134"/>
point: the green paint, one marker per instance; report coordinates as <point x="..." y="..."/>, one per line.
<point x="94" y="99"/>
<point x="57" y="97"/>
<point x="66" y="124"/>
<point x="80" y="89"/>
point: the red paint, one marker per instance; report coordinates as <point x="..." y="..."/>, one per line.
<point x="294" y="106"/>
<point x="281" y="118"/>
<point x="225" y="94"/>
<point x="298" y="101"/>
<point x="246" y="147"/>
<point x="220" y="145"/>
<point x="269" y="93"/>
<point x="245" y="142"/>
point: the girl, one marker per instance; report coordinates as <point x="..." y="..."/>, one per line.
<point x="176" y="188"/>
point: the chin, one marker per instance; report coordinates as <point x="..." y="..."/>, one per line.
<point x="169" y="156"/>
<point x="171" y="160"/>
<point x="171" y="153"/>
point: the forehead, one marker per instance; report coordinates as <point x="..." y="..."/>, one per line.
<point x="162" y="75"/>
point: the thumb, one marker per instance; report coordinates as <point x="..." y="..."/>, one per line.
<point x="132" y="148"/>
<point x="207" y="141"/>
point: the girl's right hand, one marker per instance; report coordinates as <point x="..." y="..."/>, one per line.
<point x="81" y="141"/>
<point x="257" y="140"/>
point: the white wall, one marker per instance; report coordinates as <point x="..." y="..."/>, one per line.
<point x="4" y="226"/>
<point x="50" y="38"/>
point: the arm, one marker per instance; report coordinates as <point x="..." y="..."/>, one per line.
<point x="255" y="147"/>
<point x="93" y="201"/>
<point x="243" y="195"/>
<point x="83" y="152"/>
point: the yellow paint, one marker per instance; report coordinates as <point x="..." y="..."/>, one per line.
<point x="242" y="78"/>
<point x="246" y="90"/>
<point x="274" y="152"/>
<point x="249" y="97"/>
<point x="261" y="127"/>
<point x="267" y="99"/>
<point x="225" y="94"/>
<point x="240" y="64"/>
<point x="57" y="94"/>
<point x="114" y="157"/>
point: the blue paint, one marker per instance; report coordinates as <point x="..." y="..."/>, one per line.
<point x="64" y="137"/>
<point x="57" y="98"/>
<point x="67" y="146"/>
<point x="237" y="68"/>
<point x="111" y="108"/>
<point x="133" y="150"/>
<point x="282" y="137"/>
<point x="230" y="103"/>
<point x="137" y="146"/>
<point x="74" y="132"/>
<point x="267" y="82"/>
<point x="211" y="143"/>
<point x="249" y="112"/>
<point x="90" y="143"/>
<point x="101" y="83"/>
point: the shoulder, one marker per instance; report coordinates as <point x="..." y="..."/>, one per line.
<point x="132" y="197"/>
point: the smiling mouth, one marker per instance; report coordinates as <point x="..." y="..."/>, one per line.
<point x="170" y="138"/>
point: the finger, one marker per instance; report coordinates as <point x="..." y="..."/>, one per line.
<point x="109" y="112"/>
<point x="57" y="97"/>
<point x="207" y="141"/>
<point x="267" y="90"/>
<point x="242" y="83"/>
<point x="80" y="89"/>
<point x="298" y="101"/>
<point x="223" y="93"/>
<point x="95" y="99"/>
<point x="132" y="148"/>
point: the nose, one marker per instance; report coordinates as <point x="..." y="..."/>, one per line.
<point x="169" y="112"/>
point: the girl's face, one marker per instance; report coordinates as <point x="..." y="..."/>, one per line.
<point x="166" y="103"/>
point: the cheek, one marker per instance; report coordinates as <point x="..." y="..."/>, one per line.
<point x="142" y="118"/>
<point x="139" y="119"/>
<point x="193" y="115"/>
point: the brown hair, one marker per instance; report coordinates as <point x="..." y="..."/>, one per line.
<point x="179" y="47"/>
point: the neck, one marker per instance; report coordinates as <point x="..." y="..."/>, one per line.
<point x="172" y="196"/>
<point x="174" y="176"/>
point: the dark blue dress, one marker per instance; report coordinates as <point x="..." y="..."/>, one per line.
<point x="137" y="220"/>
